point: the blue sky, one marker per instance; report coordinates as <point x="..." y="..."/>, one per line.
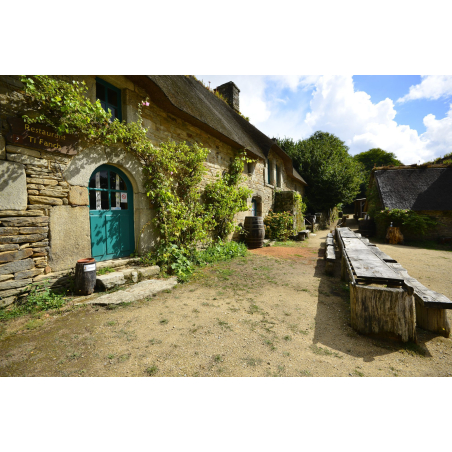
<point x="409" y="115"/>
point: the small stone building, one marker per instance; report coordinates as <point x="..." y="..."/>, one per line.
<point x="62" y="200"/>
<point x="426" y="190"/>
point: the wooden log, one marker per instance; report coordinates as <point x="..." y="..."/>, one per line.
<point x="383" y="312"/>
<point x="432" y="319"/>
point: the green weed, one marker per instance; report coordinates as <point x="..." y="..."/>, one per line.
<point x="152" y="370"/>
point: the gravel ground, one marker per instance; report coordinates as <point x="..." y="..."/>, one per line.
<point x="271" y="313"/>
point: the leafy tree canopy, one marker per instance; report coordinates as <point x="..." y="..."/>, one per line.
<point x="377" y="157"/>
<point x="332" y="174"/>
<point x="374" y="157"/>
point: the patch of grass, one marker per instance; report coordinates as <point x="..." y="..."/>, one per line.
<point x="323" y="351"/>
<point x="252" y="362"/>
<point x="164" y="322"/>
<point x="123" y="358"/>
<point x="73" y="356"/>
<point x="105" y="270"/>
<point x="129" y="335"/>
<point x="286" y="354"/>
<point x="224" y="325"/>
<point x="218" y="359"/>
<point x="152" y="370"/>
<point x="288" y="314"/>
<point x="33" y="324"/>
<point x="253" y="309"/>
<point x="414" y="349"/>
<point x="155" y="341"/>
<point x="111" y="356"/>
<point x="270" y="344"/>
<point x="358" y="373"/>
<point x="287" y="338"/>
<point x="304" y="373"/>
<point x="111" y="323"/>
<point x="196" y="311"/>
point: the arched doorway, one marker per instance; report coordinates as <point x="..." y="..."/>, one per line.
<point x="111" y="213"/>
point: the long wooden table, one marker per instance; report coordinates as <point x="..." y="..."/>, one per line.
<point x="366" y="264"/>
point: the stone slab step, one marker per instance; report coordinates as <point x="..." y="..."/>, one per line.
<point x="120" y="262"/>
<point x="136" y="292"/>
<point x="110" y="280"/>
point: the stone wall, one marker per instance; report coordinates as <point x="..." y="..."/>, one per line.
<point x="44" y="213"/>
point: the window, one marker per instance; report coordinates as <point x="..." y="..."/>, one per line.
<point x="107" y="191"/>
<point x="269" y="172"/>
<point x="109" y="97"/>
<point x="278" y="176"/>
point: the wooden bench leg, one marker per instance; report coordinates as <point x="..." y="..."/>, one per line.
<point x="329" y="268"/>
<point x="432" y="319"/>
<point x="387" y="313"/>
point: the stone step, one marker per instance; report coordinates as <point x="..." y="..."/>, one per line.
<point x="144" y="289"/>
<point x="110" y="280"/>
<point x="121" y="262"/>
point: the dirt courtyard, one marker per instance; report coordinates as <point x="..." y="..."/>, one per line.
<point x="272" y="313"/>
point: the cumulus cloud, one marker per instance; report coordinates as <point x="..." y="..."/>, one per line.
<point x="431" y="87"/>
<point x="331" y="104"/>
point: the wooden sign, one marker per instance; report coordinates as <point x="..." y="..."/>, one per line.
<point x="37" y="136"/>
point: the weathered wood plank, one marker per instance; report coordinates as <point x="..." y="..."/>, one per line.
<point x="330" y="254"/>
<point x="353" y="243"/>
<point x="366" y="264"/>
<point x="426" y="297"/>
<point x="329" y="241"/>
<point x="381" y="255"/>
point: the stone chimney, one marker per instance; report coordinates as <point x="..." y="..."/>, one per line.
<point x="231" y="93"/>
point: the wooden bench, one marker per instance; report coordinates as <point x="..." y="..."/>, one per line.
<point x="430" y="305"/>
<point x="330" y="255"/>
<point x="302" y="235"/>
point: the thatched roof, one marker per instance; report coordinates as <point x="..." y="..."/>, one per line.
<point x="415" y="188"/>
<point x="188" y="99"/>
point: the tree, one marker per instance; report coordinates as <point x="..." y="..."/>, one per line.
<point x="332" y="175"/>
<point x="374" y="157"/>
<point x="377" y="157"/>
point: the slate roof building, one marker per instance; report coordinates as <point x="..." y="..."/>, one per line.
<point x="57" y="207"/>
<point x="426" y="190"/>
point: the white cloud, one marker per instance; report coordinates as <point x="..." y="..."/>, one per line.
<point x="431" y="87"/>
<point x="335" y="107"/>
<point x="438" y="136"/>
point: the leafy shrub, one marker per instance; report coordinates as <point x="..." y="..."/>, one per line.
<point x="181" y="262"/>
<point x="278" y="226"/>
<point x="40" y="298"/>
<point x="406" y="220"/>
<point x="220" y="251"/>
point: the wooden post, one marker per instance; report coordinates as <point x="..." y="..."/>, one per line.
<point x="432" y="319"/>
<point x="383" y="312"/>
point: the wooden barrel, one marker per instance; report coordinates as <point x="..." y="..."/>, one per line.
<point x="254" y="226"/>
<point x="85" y="276"/>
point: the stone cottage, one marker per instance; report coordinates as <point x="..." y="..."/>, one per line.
<point x="426" y="190"/>
<point x="61" y="200"/>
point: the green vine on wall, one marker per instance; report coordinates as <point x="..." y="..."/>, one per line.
<point x="185" y="216"/>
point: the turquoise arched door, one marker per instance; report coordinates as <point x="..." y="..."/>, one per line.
<point x="110" y="214"/>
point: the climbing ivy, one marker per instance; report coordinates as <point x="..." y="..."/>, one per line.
<point x="185" y="216"/>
